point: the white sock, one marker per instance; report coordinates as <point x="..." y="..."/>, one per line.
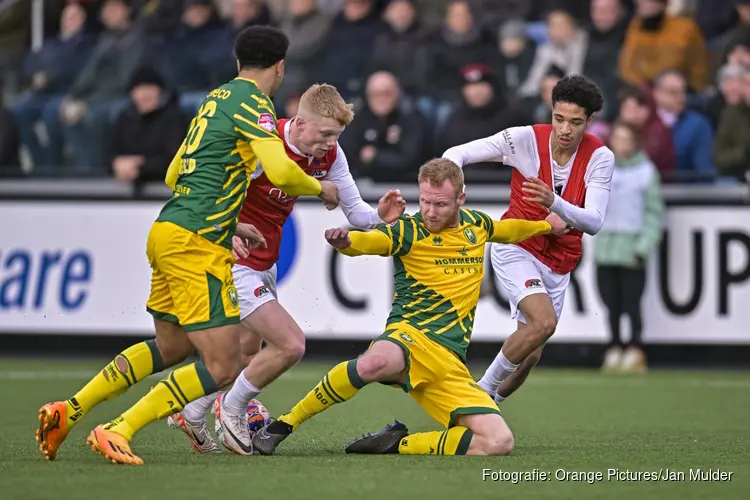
<point x="196" y="411"/>
<point x="240" y="394"/>
<point x="496" y="373"/>
<point x="499" y="399"/>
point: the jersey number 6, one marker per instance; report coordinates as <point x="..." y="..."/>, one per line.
<point x="198" y="126"/>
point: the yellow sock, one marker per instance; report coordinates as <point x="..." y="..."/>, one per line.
<point x="169" y="396"/>
<point x="454" y="441"/>
<point x="338" y="385"/>
<point x="129" y="367"/>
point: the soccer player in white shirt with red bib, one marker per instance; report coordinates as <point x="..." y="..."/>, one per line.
<point x="556" y="168"/>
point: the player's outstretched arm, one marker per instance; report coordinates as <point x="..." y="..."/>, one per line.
<point x="517" y="230"/>
<point x="358" y="213"/>
<point x="282" y="171"/>
<point x="512" y="146"/>
<point x="358" y="242"/>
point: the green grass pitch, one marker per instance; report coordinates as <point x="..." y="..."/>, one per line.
<point x="569" y="420"/>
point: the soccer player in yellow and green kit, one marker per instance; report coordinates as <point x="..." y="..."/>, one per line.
<point x="193" y="299"/>
<point x="439" y="264"/>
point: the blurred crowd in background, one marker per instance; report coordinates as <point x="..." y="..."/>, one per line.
<point x="115" y="83"/>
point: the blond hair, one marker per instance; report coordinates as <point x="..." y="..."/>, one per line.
<point x="325" y="101"/>
<point x="439" y="170"/>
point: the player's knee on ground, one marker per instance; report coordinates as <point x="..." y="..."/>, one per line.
<point x="383" y="362"/>
<point x="492" y="436"/>
<point x="499" y="442"/>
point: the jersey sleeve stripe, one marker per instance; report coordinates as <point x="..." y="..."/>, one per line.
<point x="249" y="110"/>
<point x="469" y="215"/>
<point x="246" y="134"/>
<point x="489" y="226"/>
<point x="231" y="207"/>
<point x="396" y="245"/>
<point x="264" y="103"/>
<point x="222" y="238"/>
<point x="408" y="237"/>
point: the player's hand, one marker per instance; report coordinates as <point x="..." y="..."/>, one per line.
<point x="329" y="194"/>
<point x="391" y="206"/>
<point x="559" y="226"/>
<point x="249" y="236"/>
<point x="239" y="249"/>
<point x="538" y="192"/>
<point x="338" y="238"/>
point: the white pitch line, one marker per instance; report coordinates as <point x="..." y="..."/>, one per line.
<point x="543" y="380"/>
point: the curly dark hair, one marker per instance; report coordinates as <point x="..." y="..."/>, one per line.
<point x="260" y="47"/>
<point x="578" y="90"/>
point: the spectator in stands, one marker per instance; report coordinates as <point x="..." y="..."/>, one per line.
<point x="516" y="55"/>
<point x="198" y="57"/>
<point x="638" y="109"/>
<point x="482" y="112"/>
<point x="606" y="36"/>
<point x="632" y="229"/>
<point x="692" y="135"/>
<point x="307" y="28"/>
<point x="100" y="91"/>
<point x="350" y="40"/>
<point x="716" y="17"/>
<point x="9" y="142"/>
<point x="657" y="42"/>
<point x="730" y="80"/>
<point x="739" y="34"/>
<point x="566" y="49"/>
<point x="495" y="12"/>
<point x="244" y="13"/>
<point x="52" y="71"/>
<point x="386" y="142"/>
<point x="538" y="108"/>
<point x="401" y="48"/>
<point x="732" y="149"/>
<point x="148" y="131"/>
<point x="461" y="41"/>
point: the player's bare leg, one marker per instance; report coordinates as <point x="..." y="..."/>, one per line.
<point x="285" y="346"/>
<point x="192" y="420"/>
<point x="541" y="321"/>
<point x="219" y="365"/>
<point x="518" y="377"/>
<point x="56" y="419"/>
<point x="384" y="361"/>
<point x="491" y="434"/>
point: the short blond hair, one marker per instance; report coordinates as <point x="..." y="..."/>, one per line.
<point x="439" y="170"/>
<point x="325" y="101"/>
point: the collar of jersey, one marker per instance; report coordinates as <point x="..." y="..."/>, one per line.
<point x="291" y="147"/>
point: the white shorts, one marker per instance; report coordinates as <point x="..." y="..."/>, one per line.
<point x="521" y="274"/>
<point x="254" y="288"/>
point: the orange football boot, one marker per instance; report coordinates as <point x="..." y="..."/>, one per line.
<point x="112" y="446"/>
<point x="53" y="428"/>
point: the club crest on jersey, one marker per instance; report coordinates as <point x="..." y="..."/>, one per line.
<point x="266" y="122"/>
<point x="471" y="237"/>
<point x="233" y="297"/>
<point x="317" y="173"/>
<point x="533" y="283"/>
<point x="261" y="291"/>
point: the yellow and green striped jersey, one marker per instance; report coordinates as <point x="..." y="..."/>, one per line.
<point x="210" y="174"/>
<point x="437" y="276"/>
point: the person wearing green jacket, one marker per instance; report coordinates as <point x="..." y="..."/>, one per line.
<point x="632" y="230"/>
